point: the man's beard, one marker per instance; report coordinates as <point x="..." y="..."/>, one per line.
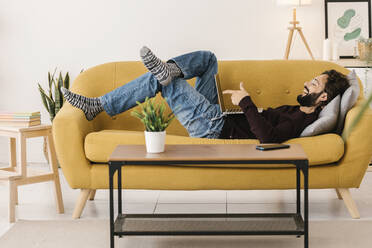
<point x="308" y="100"/>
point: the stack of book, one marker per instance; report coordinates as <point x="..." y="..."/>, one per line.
<point x="20" y="119"/>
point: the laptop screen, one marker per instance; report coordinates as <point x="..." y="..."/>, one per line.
<point x="219" y="93"/>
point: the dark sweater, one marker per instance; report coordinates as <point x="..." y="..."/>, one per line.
<point x="271" y="126"/>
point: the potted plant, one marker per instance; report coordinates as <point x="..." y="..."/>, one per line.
<point x="53" y="102"/>
<point x="155" y="122"/>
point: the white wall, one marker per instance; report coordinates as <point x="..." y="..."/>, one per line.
<point x="37" y="36"/>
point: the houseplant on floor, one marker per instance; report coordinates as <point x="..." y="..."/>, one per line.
<point x="53" y="102"/>
<point x="155" y="121"/>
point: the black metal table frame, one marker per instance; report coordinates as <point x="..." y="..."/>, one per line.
<point x="301" y="165"/>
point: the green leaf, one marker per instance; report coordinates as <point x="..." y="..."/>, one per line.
<point x="137" y="114"/>
<point x="54" y="73"/>
<point x="161" y="109"/>
<point x="43" y="97"/>
<point x="151" y="127"/>
<point x="66" y="82"/>
<point x="49" y="79"/>
<point x="57" y="102"/>
<point x="51" y="84"/>
<point x="51" y="106"/>
<point x="57" y="94"/>
<point x="142" y="106"/>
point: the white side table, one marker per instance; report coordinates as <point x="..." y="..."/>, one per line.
<point x="21" y="175"/>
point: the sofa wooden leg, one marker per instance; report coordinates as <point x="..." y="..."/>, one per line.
<point x="338" y="194"/>
<point x="80" y="204"/>
<point x="349" y="202"/>
<point x="92" y="194"/>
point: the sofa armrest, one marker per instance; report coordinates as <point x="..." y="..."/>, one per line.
<point x="69" y="130"/>
<point x="358" y="147"/>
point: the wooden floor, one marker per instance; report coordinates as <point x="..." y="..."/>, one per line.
<point x="36" y="202"/>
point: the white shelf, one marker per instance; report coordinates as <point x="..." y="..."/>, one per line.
<point x="351" y="63"/>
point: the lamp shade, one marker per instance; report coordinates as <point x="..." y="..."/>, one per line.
<point x="293" y="2"/>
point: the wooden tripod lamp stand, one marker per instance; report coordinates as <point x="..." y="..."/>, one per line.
<point x="294" y="25"/>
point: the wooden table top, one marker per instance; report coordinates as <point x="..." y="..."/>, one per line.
<point x="207" y="152"/>
<point x="23" y="129"/>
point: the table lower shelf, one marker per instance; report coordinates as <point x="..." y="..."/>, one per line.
<point x="209" y="224"/>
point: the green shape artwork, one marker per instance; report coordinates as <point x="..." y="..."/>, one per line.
<point x="344" y="20"/>
<point x="352" y="35"/>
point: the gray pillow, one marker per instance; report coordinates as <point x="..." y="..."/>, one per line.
<point x="348" y="100"/>
<point x="326" y="121"/>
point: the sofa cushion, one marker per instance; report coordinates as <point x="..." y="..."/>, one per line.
<point x="326" y="121"/>
<point x="348" y="99"/>
<point x="321" y="149"/>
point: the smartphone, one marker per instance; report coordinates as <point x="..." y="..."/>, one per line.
<point x="266" y="147"/>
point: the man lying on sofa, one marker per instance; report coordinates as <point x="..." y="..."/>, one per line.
<point x="198" y="110"/>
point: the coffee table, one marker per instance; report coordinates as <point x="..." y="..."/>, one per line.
<point x="208" y="224"/>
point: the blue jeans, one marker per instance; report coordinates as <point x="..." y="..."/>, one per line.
<point x="196" y="108"/>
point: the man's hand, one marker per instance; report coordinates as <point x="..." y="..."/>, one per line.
<point x="237" y="95"/>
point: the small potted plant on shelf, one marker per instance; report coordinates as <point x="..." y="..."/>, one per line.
<point x="155" y="121"/>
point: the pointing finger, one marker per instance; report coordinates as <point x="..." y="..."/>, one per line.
<point x="228" y="91"/>
<point x="242" y="86"/>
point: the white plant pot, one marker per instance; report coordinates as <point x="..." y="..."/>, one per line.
<point x="155" y="141"/>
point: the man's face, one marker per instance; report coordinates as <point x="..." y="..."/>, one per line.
<point x="313" y="93"/>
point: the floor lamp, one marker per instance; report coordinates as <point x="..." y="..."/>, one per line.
<point x="294" y="24"/>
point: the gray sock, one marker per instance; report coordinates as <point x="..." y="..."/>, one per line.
<point x="90" y="106"/>
<point x="164" y="72"/>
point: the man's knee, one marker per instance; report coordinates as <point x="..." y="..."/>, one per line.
<point x="211" y="55"/>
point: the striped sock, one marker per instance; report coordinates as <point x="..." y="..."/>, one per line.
<point x="164" y="72"/>
<point x="90" y="106"/>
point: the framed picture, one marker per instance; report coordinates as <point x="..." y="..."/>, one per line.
<point x="345" y="22"/>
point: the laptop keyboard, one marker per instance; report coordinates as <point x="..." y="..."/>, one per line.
<point x="239" y="110"/>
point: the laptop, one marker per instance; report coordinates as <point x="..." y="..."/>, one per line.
<point x="227" y="110"/>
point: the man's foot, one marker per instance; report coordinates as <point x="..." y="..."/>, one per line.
<point x="164" y="72"/>
<point x="90" y="106"/>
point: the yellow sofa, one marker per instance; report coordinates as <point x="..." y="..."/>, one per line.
<point x="83" y="147"/>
